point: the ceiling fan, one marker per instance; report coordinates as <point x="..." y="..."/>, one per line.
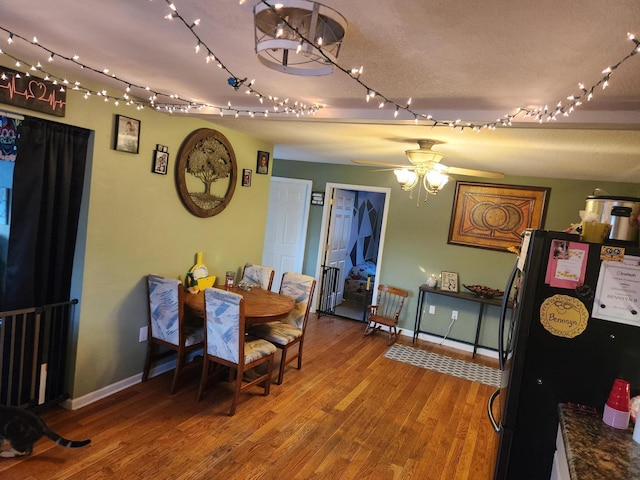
<point x="425" y="169"/>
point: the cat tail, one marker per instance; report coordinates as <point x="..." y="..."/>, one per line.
<point x="63" y="442"/>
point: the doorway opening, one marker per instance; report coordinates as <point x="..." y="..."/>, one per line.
<point x="351" y="245"/>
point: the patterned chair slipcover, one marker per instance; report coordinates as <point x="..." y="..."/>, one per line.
<point x="290" y="331"/>
<point x="167" y="324"/>
<point x="258" y="275"/>
<point x="227" y="344"/>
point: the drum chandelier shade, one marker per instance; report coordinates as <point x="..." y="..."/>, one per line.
<point x="298" y="37"/>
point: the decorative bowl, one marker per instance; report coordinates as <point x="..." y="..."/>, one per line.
<point x="484" y="292"/>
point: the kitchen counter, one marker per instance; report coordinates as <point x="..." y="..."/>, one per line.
<point x="595" y="450"/>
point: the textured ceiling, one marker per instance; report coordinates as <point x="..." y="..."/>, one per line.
<point x="467" y="60"/>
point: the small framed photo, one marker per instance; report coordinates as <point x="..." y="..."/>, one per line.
<point x="127" y="134"/>
<point x="449" y="281"/>
<point x="262" y="166"/>
<point x="317" y="198"/>
<point x="246" y="177"/>
<point x="160" y="162"/>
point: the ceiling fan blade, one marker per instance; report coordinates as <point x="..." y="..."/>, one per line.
<point x="382" y="164"/>
<point x="474" y="173"/>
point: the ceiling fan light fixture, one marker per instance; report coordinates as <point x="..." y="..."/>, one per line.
<point x="406" y="178"/>
<point x="423" y="156"/>
<point x="434" y="180"/>
<point x="298" y="37"/>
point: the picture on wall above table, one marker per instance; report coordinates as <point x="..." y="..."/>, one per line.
<point x="206" y="172"/>
<point x="127" y="134"/>
<point x="246" y="177"/>
<point x="262" y="166"/>
<point x="493" y="216"/>
<point x="160" y="160"/>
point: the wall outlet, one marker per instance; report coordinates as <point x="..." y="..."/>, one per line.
<point x="454" y="314"/>
<point x="144" y="333"/>
<point x="432" y="309"/>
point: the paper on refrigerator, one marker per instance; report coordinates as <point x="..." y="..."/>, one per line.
<point x="617" y="295"/>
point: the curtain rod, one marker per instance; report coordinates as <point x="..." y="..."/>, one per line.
<point x="15" y="116"/>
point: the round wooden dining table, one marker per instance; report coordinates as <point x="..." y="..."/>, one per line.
<point x="260" y="306"/>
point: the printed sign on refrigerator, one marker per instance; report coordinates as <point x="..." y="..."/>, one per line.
<point x="618" y="291"/>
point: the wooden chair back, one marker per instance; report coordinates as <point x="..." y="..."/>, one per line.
<point x="389" y="304"/>
<point x="386" y="311"/>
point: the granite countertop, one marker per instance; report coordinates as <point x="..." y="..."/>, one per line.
<point x="594" y="449"/>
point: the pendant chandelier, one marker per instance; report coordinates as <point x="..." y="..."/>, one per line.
<point x="298" y="37"/>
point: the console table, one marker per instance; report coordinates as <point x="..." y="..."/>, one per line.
<point x="424" y="290"/>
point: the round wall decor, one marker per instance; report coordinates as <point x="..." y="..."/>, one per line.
<point x="206" y="172"/>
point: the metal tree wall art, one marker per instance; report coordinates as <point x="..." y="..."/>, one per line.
<point x="206" y="172"/>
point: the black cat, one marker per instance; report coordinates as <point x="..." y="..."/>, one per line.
<point x="22" y="429"/>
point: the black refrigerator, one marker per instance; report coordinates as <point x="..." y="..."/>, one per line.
<point x="569" y="328"/>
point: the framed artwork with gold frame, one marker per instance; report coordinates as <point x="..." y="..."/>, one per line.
<point x="493" y="216"/>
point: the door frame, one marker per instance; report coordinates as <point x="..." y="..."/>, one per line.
<point x="324" y="228"/>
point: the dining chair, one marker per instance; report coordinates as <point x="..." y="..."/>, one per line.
<point x="168" y="325"/>
<point x="228" y="345"/>
<point x="289" y="332"/>
<point x="258" y="275"/>
<point x="386" y="311"/>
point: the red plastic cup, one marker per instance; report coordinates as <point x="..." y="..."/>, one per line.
<point x="619" y="397"/>
<point x="616" y="411"/>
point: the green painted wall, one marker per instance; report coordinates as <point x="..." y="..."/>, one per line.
<point x="416" y="240"/>
<point x="134" y="224"/>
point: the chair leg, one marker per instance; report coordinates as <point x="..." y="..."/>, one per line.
<point x="236" y="393"/>
<point x="176" y="374"/>
<point x="283" y="362"/>
<point x="203" y="377"/>
<point x="393" y="335"/>
<point x="267" y="383"/>
<point x="147" y="363"/>
<point x="370" y="328"/>
<point x="300" y="353"/>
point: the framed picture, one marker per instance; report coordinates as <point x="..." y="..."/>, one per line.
<point x="160" y="162"/>
<point x="493" y="216"/>
<point x="449" y="281"/>
<point x="127" y="134"/>
<point x="246" y="177"/>
<point x="262" y="165"/>
<point x="317" y="198"/>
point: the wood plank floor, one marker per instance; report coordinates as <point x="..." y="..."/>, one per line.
<point x="349" y="413"/>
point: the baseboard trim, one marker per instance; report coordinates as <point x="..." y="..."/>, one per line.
<point x="453" y="344"/>
<point x="84" y="400"/>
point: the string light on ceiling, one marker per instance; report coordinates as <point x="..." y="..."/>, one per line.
<point x="179" y="104"/>
<point x="541" y="114"/>
<point x="278" y="106"/>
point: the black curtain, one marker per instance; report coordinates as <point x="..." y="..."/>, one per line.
<point x="47" y="192"/>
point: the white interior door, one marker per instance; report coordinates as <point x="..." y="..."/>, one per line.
<point x="339" y="232"/>
<point x="286" y="230"/>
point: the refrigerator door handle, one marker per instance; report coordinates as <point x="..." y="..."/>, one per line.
<point x="502" y="355"/>
<point x="492" y="419"/>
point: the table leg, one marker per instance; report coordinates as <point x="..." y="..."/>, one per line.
<point x="416" y="326"/>
<point x="478" y="326"/>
